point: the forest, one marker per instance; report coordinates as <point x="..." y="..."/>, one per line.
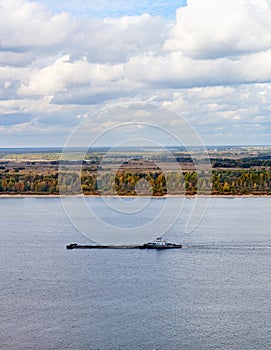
<point x="233" y="172"/>
<point x="222" y="182"/>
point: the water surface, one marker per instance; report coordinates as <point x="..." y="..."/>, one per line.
<point x="212" y="294"/>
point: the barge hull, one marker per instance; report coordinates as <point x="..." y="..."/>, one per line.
<point x="144" y="246"/>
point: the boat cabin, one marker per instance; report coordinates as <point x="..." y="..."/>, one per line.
<point x="160" y="242"/>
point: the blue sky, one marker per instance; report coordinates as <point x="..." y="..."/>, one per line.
<point x="62" y="62"/>
<point x="114" y="8"/>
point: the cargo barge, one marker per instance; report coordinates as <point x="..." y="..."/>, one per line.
<point x="159" y="243"/>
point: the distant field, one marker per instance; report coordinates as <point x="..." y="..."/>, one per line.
<point x="30" y="156"/>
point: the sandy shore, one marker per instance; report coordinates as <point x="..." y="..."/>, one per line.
<point x="157" y="197"/>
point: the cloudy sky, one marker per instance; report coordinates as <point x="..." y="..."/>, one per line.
<point x="62" y="61"/>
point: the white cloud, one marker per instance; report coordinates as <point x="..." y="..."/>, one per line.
<point x="212" y="65"/>
<point x="227" y="115"/>
<point x="178" y="71"/>
<point x="64" y="73"/>
<point x="115" y="40"/>
<point x="24" y="24"/>
<point x="218" y="28"/>
<point x="30" y="31"/>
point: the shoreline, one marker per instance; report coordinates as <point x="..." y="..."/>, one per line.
<point x="230" y="196"/>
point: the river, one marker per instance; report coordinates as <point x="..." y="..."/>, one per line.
<point x="212" y="294"/>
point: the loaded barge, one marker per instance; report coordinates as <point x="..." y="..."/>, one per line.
<point x="157" y="244"/>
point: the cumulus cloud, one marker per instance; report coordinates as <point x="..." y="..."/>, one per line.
<point x="64" y="74"/>
<point x="227" y="114"/>
<point x="28" y="27"/>
<point x="212" y="64"/>
<point x="111" y="40"/>
<point x="178" y="71"/>
<point x="27" y="24"/>
<point x="218" y="28"/>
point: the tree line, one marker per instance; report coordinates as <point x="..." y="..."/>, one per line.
<point x="222" y="182"/>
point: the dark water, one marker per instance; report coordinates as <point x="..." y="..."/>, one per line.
<point x="212" y="294"/>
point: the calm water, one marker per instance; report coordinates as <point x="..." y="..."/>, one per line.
<point x="212" y="294"/>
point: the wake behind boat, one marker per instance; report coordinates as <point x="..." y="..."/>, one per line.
<point x="159" y="243"/>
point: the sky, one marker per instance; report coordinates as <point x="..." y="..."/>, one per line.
<point x="208" y="62"/>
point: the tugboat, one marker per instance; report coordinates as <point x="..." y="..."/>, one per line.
<point x="159" y="243"/>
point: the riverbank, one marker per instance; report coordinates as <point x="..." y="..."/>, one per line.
<point x="230" y="196"/>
